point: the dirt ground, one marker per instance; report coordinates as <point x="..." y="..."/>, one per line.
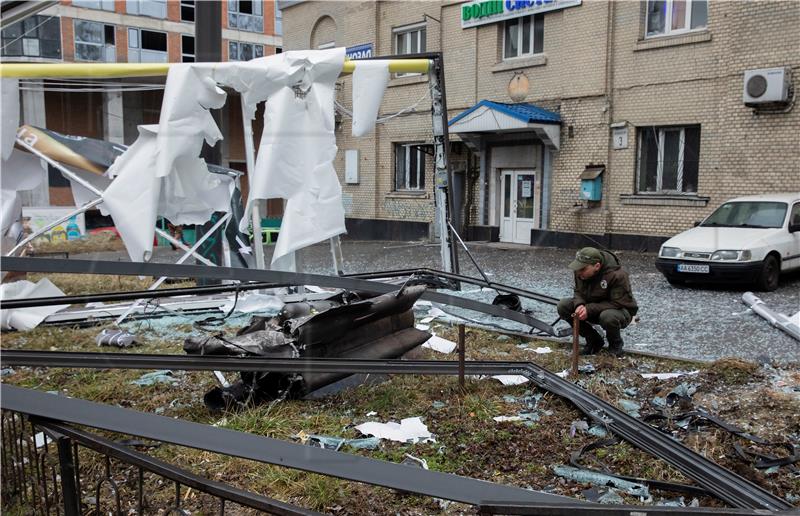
<point x="762" y="399"/>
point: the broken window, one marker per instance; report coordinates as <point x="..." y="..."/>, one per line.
<point x="106" y="5"/>
<point x="668" y="159"/>
<point x="278" y="20"/>
<point x="35" y="36"/>
<point x="94" y="41"/>
<point x="147" y="46"/>
<point x="246" y="15"/>
<point x="187" y="49"/>
<point x="409" y="166"/>
<point x="187" y="10"/>
<point x="152" y="8"/>
<point x="239" y="51"/>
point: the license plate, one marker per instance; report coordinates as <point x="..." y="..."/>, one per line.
<point x="690" y="267"/>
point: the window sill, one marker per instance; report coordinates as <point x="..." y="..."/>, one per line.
<point x="516" y="64"/>
<point x="408" y="194"/>
<point x="690" y="200"/>
<point x="687" y="38"/>
<point x="408" y="79"/>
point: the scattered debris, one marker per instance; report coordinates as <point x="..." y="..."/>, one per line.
<point x="6" y="371"/>
<point x="410" y="460"/>
<point x="433" y="313"/>
<point x="24" y="319"/>
<point x="164" y="376"/>
<point x="510" y="379"/>
<point x="409" y="430"/>
<point x="439" y="344"/>
<point x="337" y="443"/>
<point x="631" y="407"/>
<point x="776" y="319"/>
<point x="117" y="338"/>
<point x="253" y="302"/>
<point x="600" y="479"/>
<point x="668" y="376"/>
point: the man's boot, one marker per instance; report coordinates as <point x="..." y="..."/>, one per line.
<point x="615" y="346"/>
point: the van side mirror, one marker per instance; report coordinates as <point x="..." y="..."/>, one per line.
<point x="697" y="223"/>
<point x="793" y="228"/>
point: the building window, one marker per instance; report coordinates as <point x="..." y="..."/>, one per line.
<point x="411" y="39"/>
<point x="152" y="8"/>
<point x="329" y="44"/>
<point x="239" y="51"/>
<point x="35" y="36"/>
<point x="409" y="166"/>
<point x="523" y="36"/>
<point x="106" y="5"/>
<point x="147" y="46"/>
<point x="278" y="20"/>
<point x="94" y="42"/>
<point x="187" y="10"/>
<point x="187" y="48"/>
<point x="665" y="17"/>
<point x="246" y="15"/>
<point x="668" y="159"/>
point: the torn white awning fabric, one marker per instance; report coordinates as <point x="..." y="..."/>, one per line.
<point x="28" y="318"/>
<point x="369" y="83"/>
<point x="9" y="91"/>
<point x="162" y="173"/>
<point x="297" y="149"/>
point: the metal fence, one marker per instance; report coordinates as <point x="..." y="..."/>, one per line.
<point x="52" y="468"/>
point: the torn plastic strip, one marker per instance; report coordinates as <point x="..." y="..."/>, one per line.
<point x="764" y="461"/>
<point x="703" y="414"/>
<point x="723" y="483"/>
<point x="574" y="460"/>
<point x="229" y="273"/>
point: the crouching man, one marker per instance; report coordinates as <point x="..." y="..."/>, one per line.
<point x="602" y="296"/>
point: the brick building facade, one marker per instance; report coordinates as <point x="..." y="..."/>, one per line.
<point x="646" y="96"/>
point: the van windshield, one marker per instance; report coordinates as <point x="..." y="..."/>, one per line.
<point x="756" y="214"/>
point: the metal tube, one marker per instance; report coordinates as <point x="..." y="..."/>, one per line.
<point x="776" y="319"/>
<point x="461" y="355"/>
<point x="41" y="231"/>
<point x="249" y="155"/>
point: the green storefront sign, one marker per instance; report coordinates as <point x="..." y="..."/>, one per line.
<point x="481" y="12"/>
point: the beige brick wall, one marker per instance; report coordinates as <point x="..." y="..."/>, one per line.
<point x="694" y="79"/>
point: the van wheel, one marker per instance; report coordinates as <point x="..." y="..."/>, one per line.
<point x="768" y="277"/>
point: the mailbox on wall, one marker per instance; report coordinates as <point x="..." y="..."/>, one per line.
<point x="592" y="183"/>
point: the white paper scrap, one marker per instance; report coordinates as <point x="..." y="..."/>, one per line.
<point x="423" y="327"/>
<point x="411" y="429"/>
<point x="369" y="83"/>
<point x="507" y="418"/>
<point x="24" y="319"/>
<point x="542" y="351"/>
<point x="439" y="344"/>
<point x="253" y="303"/>
<point x="510" y="379"/>
<point x="667" y="376"/>
<point x="563" y="374"/>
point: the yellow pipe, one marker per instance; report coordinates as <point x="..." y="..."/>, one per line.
<point x="109" y="70"/>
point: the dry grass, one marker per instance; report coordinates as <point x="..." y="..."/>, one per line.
<point x="468" y="443"/>
<point x="104" y="241"/>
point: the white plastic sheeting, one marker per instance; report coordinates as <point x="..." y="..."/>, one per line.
<point x="28" y="318"/>
<point x="9" y="91"/>
<point x="409" y="430"/>
<point x="296" y="153"/>
<point x="439" y="344"/>
<point x="21" y="171"/>
<point x="369" y="83"/>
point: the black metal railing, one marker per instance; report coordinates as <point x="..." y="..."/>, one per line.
<point x="53" y="468"/>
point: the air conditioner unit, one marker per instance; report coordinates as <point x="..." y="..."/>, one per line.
<point x="766" y="86"/>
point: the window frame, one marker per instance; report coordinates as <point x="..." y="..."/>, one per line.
<point x="668" y="30"/>
<point x="420" y="28"/>
<point x="661" y="132"/>
<point x="234" y="13"/>
<point x="138" y="3"/>
<point x="139" y="48"/>
<point x="31" y="34"/>
<point x="238" y="45"/>
<point x="407" y="173"/>
<point x="278" y="27"/>
<point x="521" y="23"/>
<point x="184" y="54"/>
<point x="103" y="46"/>
<point x="102" y="5"/>
<point x="188" y="4"/>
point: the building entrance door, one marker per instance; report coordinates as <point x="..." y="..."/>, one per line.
<point x="517" y="206"/>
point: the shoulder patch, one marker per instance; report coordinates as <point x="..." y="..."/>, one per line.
<point x="604" y="284"/>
